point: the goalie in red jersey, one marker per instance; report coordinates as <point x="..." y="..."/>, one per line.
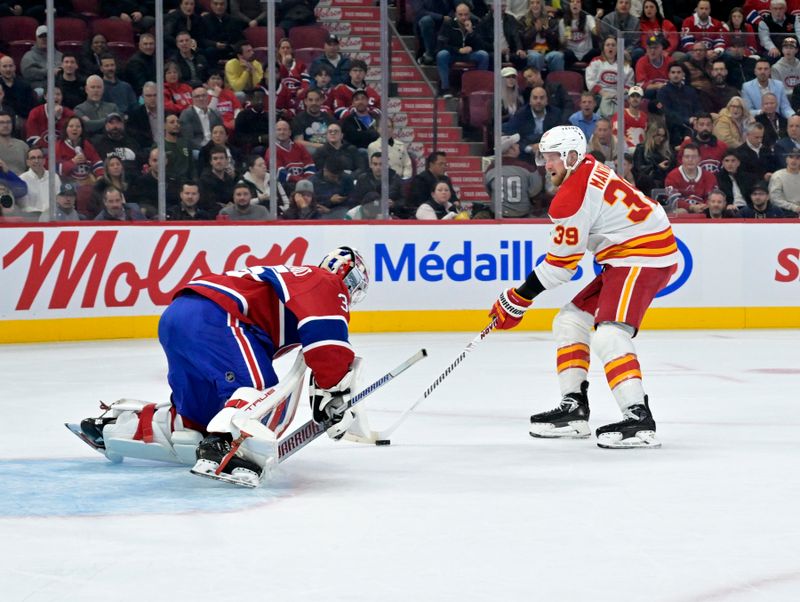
<point x="595" y="210"/>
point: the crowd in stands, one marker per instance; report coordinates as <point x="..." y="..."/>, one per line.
<point x="709" y="114"/>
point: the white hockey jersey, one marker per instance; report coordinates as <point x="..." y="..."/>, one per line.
<point x="596" y="210"/>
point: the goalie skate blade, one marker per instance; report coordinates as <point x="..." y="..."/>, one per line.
<point x="76" y="430"/>
<point x="642" y="439"/>
<point x="240" y="476"/>
<point x="576" y="429"/>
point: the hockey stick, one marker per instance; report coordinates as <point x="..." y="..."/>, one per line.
<point x="386" y="433"/>
<point x="309" y="431"/>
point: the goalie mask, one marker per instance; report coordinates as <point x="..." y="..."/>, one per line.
<point x="348" y="264"/>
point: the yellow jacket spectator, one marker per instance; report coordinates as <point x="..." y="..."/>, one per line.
<point x="243" y="72"/>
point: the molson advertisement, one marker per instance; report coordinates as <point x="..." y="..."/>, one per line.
<point x="98" y="281"/>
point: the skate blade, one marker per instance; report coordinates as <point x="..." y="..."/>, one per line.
<point x="240" y="476"/>
<point x="576" y="429"/>
<point x="76" y="430"/>
<point x="641" y="440"/>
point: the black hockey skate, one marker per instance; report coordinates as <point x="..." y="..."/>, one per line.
<point x="212" y="452"/>
<point x="570" y="420"/>
<point x="636" y="429"/>
<point x="92" y="429"/>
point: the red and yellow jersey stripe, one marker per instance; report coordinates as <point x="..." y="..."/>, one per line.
<point x="659" y="244"/>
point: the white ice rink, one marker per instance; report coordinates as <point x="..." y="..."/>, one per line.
<point x="464" y="505"/>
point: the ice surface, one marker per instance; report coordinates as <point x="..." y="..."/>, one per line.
<point x="464" y="505"/>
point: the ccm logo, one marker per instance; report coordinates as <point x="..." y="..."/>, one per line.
<point x="789" y="265"/>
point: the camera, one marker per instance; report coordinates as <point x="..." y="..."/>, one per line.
<point x="6" y="201"/>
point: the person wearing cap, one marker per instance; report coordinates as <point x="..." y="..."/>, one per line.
<point x="338" y="65"/>
<point x="774" y="27"/>
<point x="653" y="24"/>
<point x="342" y="94"/>
<point x="115" y="141"/>
<point x="520" y="181"/>
<point x="585" y="118"/>
<point x="66" y="197"/>
<point x="333" y="189"/>
<point x="760" y="206"/>
<point x="652" y="70"/>
<point x="634" y="119"/>
<point x="753" y="90"/>
<point x="511" y="99"/>
<point x="360" y="126"/>
<point x="369" y="207"/>
<point x="459" y="40"/>
<point x="33" y="66"/>
<point x="787" y="69"/>
<point x="242" y="208"/>
<point x="784" y="185"/>
<point x="302" y="205"/>
<point x="37" y="178"/>
<point x="94" y="110"/>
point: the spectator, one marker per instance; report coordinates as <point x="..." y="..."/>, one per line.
<point x="369" y="207"/>
<point x="219" y="137"/>
<point x="76" y="158"/>
<point x="532" y="121"/>
<point x="787" y="70"/>
<point x="65" y="206"/>
<point x="773" y="122"/>
<point x="141" y="67"/>
<point x="216" y="181"/>
<point x="784" y="185"/>
<point x="257" y="178"/>
<point x="94" y="110"/>
<point x="438" y="206"/>
<point x="293" y="161"/>
<point x="511" y="99"/>
<point x="116" y="210"/>
<point x="222" y="33"/>
<point x="557" y="96"/>
<point x="36" y="127"/>
<point x="13" y="152"/>
<point x="775" y="27"/>
<point x="576" y="32"/>
<point x="653" y="25"/>
<point x="183" y="19"/>
<point x="342" y="95"/>
<point x="753" y="90"/>
<point x="223" y="101"/>
<point x="93" y="49"/>
<point x="721" y="91"/>
<point x="192" y="65"/>
<point x="734" y="183"/>
<point x="760" y="206"/>
<point x="37" y="201"/>
<point x="679" y="103"/>
<point x="177" y="95"/>
<point x="115" y="90"/>
<point x="711" y="149"/>
<point x="33" y="66"/>
<point x="698" y="68"/>
<point x="302" y="206"/>
<point x="790" y="142"/>
<point x="143" y="120"/>
<point x="652" y="159"/>
<point x="242" y="208"/>
<point x="423" y="183"/>
<point x="337" y="64"/>
<point x="459" y="40"/>
<point x="586" y="118"/>
<point x="731" y="123"/>
<point x="512" y="48"/>
<point x="309" y="128"/>
<point x="180" y="158"/>
<point x="603" y="141"/>
<point x="741" y="32"/>
<point x="756" y="158"/>
<point x="332" y="189"/>
<point x="291" y="72"/>
<point x="290" y="13"/>
<point x="189" y="208"/>
<point x="652" y="70"/>
<point x="18" y="93"/>
<point x="114" y="141"/>
<point x="243" y="72"/>
<point x="368" y="181"/>
<point x="360" y="127"/>
<point x="429" y="18"/>
<point x="622" y="20"/>
<point x="320" y="82"/>
<point x="251" y="12"/>
<point x="690" y="182"/>
<point x="634" y="119"/>
<point x="601" y="77"/>
<point x="399" y="159"/>
<point x="251" y="126"/>
<point x="520" y="182"/>
<point x="702" y="27"/>
<point x="138" y="15"/>
<point x="71" y="84"/>
<point x="113" y="176"/>
<point x="144" y="190"/>
<point x="539" y="37"/>
<point x="716" y="205"/>
<point x="740" y="65"/>
<point x="197" y="121"/>
<point x="335" y="146"/>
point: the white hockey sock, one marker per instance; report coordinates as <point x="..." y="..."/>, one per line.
<point x="572" y="329"/>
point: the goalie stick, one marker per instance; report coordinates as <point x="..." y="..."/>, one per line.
<point x="386" y="433"/>
<point x="306" y="433"/>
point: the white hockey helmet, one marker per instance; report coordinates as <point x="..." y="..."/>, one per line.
<point x="348" y="263"/>
<point x="562" y="139"/>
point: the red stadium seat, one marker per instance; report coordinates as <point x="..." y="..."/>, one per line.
<point x="17" y="35"/>
<point x="473" y="81"/>
<point x="115" y="30"/>
<point x="257" y="36"/>
<point x="123" y="51"/>
<point x="308" y="36"/>
<point x="88" y="9"/>
<point x="572" y="82"/>
<point x="69" y="29"/>
<point x="307" y="55"/>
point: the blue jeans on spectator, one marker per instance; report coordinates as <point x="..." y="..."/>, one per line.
<point x="549" y="61"/>
<point x="444" y="59"/>
<point x="427" y="27"/>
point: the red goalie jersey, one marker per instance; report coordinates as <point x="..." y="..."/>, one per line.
<point x="595" y="210"/>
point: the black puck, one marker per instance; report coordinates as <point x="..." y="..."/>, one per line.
<point x="383" y="442"/>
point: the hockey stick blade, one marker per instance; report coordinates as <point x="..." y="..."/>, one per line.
<point x="386" y="433"/>
<point x="309" y="431"/>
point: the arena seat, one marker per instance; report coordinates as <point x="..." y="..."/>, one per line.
<point x="87" y="9"/>
<point x="572" y="82"/>
<point x="473" y="81"/>
<point x="17" y="35"/>
<point x="257" y="36"/>
<point x="308" y="36"/>
<point x="115" y="30"/>
<point x="71" y="33"/>
<point x="307" y="55"/>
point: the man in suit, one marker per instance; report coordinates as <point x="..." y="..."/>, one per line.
<point x="198" y="120"/>
<point x="753" y="90"/>
<point x="531" y="122"/>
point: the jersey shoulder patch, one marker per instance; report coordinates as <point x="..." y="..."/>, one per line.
<point x="569" y="197"/>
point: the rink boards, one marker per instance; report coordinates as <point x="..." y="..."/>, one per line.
<point x="101" y="281"/>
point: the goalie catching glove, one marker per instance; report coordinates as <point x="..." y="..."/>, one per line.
<point x="330" y="406"/>
<point x="509" y="309"/>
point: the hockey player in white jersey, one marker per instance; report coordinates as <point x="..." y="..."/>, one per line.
<point x="630" y="236"/>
